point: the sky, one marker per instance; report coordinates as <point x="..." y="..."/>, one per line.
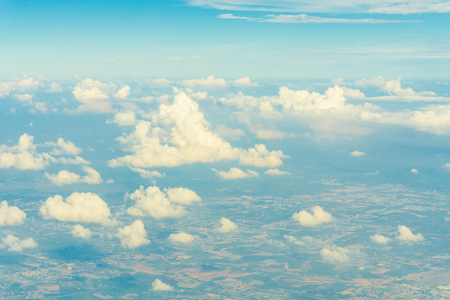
<point x="238" y="149"/>
<point x="229" y="39"/>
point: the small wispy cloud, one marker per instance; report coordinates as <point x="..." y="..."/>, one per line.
<point x="304" y="18"/>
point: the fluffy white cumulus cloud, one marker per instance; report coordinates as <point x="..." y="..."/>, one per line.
<point x="81" y="232"/>
<point x="161" y="204"/>
<point x="158" y="285"/>
<point x="13" y="243"/>
<point x="23" y="156"/>
<point x="185" y="139"/>
<point x="204" y="82"/>
<point x="66" y="148"/>
<point x="63" y="177"/>
<point x="235" y="173"/>
<point x="11" y="215"/>
<point x="357" y="153"/>
<point x="125" y="118"/>
<point x="133" y="236"/>
<point x="380" y="239"/>
<point x="94" y="95"/>
<point x="335" y="255"/>
<point x="123" y="92"/>
<point x="78" y="207"/>
<point x="406" y="235"/>
<point x="318" y="216"/>
<point x="275" y="172"/>
<point x="226" y="225"/>
<point x="414" y="171"/>
<point x="73" y="161"/>
<point x="182" y="238"/>
<point x="20" y="85"/>
<point x="245" y="81"/>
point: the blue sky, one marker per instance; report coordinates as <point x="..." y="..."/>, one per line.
<point x="179" y="39"/>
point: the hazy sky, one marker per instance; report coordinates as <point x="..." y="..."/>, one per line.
<point x="229" y="39"/>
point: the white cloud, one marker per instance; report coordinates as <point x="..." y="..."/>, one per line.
<point x="161" y="204"/>
<point x="208" y="82"/>
<point x="125" y="118"/>
<point x="122" y="93"/>
<point x="275" y="172"/>
<point x="27" y="84"/>
<point x="23" y="156"/>
<point x="226" y="225"/>
<point x="147" y="173"/>
<point x="414" y="171"/>
<point x="185" y="139"/>
<point x="92" y="95"/>
<point x="412" y="8"/>
<point x="446" y="166"/>
<point x="182" y="238"/>
<point x="393" y="87"/>
<point x="304" y="19"/>
<point x="78" y="207"/>
<point x="92" y="177"/>
<point x="158" y="285"/>
<point x="325" y="6"/>
<point x="245" y="81"/>
<point x="63" y="177"/>
<point x="74" y="161"/>
<point x="66" y="148"/>
<point x="24" y="98"/>
<point x="81" y="232"/>
<point x="319" y="216"/>
<point x="335" y="255"/>
<point x="380" y="239"/>
<point x="235" y="173"/>
<point x="302" y="241"/>
<point x="357" y="153"/>
<point x="11" y="215"/>
<point x="13" y="243"/>
<point x="133" y="236"/>
<point x="233" y="134"/>
<point x="272" y="134"/>
<point x="407" y="236"/>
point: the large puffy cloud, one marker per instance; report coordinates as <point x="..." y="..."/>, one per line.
<point x="133" y="236"/>
<point x="319" y="216"/>
<point x="13" y="243"/>
<point x="235" y="173"/>
<point x="161" y="204"/>
<point x="226" y="225"/>
<point x="333" y="105"/>
<point x="406" y="235"/>
<point x="182" y="238"/>
<point x="189" y="141"/>
<point x="23" y="156"/>
<point x="78" y="207"/>
<point x="123" y="92"/>
<point x="11" y="215"/>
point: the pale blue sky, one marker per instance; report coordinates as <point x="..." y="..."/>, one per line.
<point x="186" y="39"/>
